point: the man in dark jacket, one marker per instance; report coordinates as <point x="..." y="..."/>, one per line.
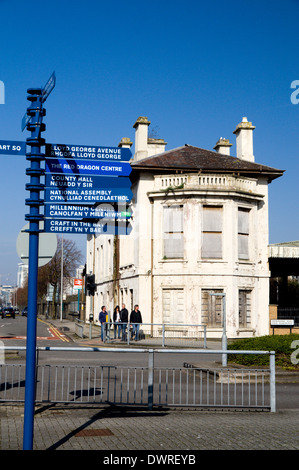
<point x="135" y="320"/>
<point x="124" y="317"/>
<point x="102" y="320"/>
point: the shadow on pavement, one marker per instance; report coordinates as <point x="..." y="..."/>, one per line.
<point x="110" y="411"/>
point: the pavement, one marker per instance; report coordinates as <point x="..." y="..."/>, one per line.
<point x="137" y="436"/>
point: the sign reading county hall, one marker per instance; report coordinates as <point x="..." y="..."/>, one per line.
<point x="87" y="152"/>
<point x="74" y="181"/>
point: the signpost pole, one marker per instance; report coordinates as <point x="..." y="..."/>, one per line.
<point x="33" y="121"/>
<point x="35" y="171"/>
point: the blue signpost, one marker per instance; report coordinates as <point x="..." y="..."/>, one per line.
<point x="79" y="178"/>
<point x="35" y="157"/>
<point x="35" y="112"/>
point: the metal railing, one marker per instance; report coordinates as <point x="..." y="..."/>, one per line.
<point x="151" y="334"/>
<point x="148" y="386"/>
<point x="287" y="313"/>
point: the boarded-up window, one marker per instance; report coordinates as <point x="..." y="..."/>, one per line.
<point x="211" y="307"/>
<point x="243" y="233"/>
<point x="173" y="232"/>
<point x="173" y="306"/>
<point x="212" y="232"/>
<point x="244" y="308"/>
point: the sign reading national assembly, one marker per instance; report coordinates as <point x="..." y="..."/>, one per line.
<point x="88" y="196"/>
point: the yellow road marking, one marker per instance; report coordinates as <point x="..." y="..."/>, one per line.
<point x="56" y="331"/>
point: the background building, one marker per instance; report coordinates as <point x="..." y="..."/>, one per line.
<point x="22" y="274"/>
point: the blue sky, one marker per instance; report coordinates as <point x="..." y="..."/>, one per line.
<point x="193" y="68"/>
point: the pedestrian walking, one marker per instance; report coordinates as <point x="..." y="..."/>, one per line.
<point x="116" y="322"/>
<point x="135" y="320"/>
<point x="124" y="318"/>
<point x="102" y="320"/>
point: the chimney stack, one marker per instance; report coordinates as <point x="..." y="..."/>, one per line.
<point x="141" y="138"/>
<point x="223" y="146"/>
<point x="125" y="143"/>
<point x="244" y="140"/>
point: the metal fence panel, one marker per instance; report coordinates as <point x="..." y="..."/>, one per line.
<point x="144" y="386"/>
<point x="156" y="334"/>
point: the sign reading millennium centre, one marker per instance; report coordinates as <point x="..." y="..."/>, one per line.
<point x="79" y="178"/>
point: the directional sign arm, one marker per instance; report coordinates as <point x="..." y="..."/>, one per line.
<point x="81" y="227"/>
<point x="48" y="87"/>
<point x="87" y="167"/>
<point x="8" y="147"/>
<point x="88" y="152"/>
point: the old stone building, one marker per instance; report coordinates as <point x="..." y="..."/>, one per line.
<point x="200" y="228"/>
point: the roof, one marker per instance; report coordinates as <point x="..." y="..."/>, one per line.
<point x="189" y="158"/>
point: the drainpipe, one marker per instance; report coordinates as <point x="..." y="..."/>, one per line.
<point x="152" y="264"/>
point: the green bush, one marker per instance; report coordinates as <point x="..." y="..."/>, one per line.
<point x="281" y="344"/>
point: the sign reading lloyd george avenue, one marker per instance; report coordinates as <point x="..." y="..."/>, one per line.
<point x="88" y="152"/>
<point x="87" y="175"/>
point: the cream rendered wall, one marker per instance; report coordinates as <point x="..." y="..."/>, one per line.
<point x="192" y="273"/>
<point x="135" y="249"/>
<point x="144" y="270"/>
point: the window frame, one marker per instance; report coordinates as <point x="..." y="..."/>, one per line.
<point x="212" y="229"/>
<point x="243" y="234"/>
<point x="173" y="233"/>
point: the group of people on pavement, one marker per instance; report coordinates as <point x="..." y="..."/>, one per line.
<point x="120" y="322"/>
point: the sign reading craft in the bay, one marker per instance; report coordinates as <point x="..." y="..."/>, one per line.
<point x="88" y="152"/>
<point x="77" y="226"/>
